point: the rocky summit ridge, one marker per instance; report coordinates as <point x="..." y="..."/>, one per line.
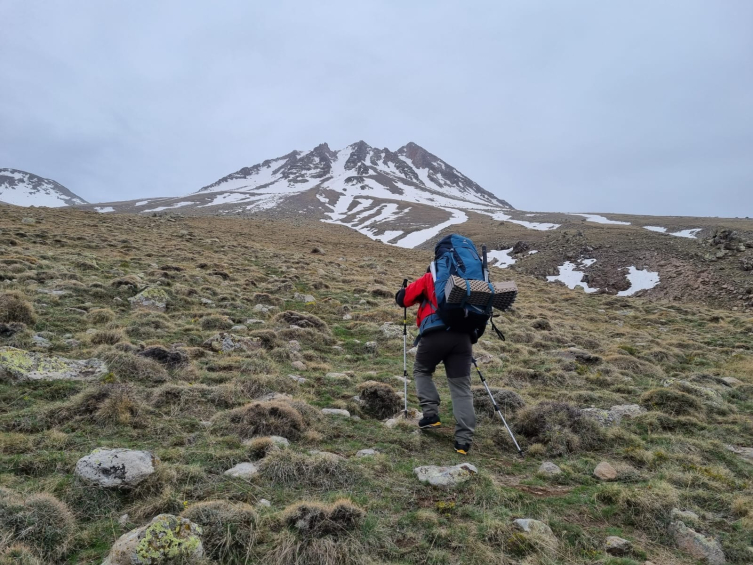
<point x="403" y="197"/>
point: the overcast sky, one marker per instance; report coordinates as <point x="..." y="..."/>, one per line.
<point x="637" y="107"/>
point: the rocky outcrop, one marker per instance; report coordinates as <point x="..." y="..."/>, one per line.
<point x="19" y="365"/>
<point x="116" y="468"/>
<point x="166" y="539"/>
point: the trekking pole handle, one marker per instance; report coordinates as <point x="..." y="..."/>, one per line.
<point x="405" y="311"/>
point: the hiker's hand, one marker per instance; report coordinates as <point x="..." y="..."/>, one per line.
<point x="399" y="297"/>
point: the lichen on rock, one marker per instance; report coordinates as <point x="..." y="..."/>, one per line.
<point x="166" y="539"/>
<point x="152" y="298"/>
<point x="21" y="365"/>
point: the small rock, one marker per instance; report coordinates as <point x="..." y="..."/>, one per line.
<point x="123" y="520"/>
<point x="298" y="365"/>
<point x="39" y="341"/>
<point x="280" y="441"/>
<point x="617" y="546"/>
<point x="390" y="329"/>
<point x="347" y="317"/>
<point x="226" y="342"/>
<point x="294" y="345"/>
<point x="549" y="469"/>
<point x="207" y="301"/>
<point x="337" y="377"/>
<point x="116" y="468"/>
<point x="530" y="526"/>
<point x="264" y="502"/>
<point x="371" y="346"/>
<point x="605" y="472"/>
<point x="239" y="328"/>
<point x="744" y="452"/>
<point x="445" y="476"/>
<point x="731" y="381"/>
<point x="243" y="471"/>
<point x="625" y="411"/>
<point x="166" y="538"/>
<point x="253" y="322"/>
<point x="686" y="516"/>
<point x="579" y="355"/>
<point x="697" y="545"/>
<point x="366" y="453"/>
<point x="296" y="378"/>
<point x="303" y="297"/>
<point x="336" y="412"/>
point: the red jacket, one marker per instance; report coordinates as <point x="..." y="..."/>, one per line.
<point x="418" y="291"/>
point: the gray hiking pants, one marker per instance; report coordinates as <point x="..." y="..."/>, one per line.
<point x="454" y="350"/>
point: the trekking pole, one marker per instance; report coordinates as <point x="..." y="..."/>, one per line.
<point x="496" y="408"/>
<point x="405" y="353"/>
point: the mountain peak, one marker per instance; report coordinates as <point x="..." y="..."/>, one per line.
<point x="27" y="189"/>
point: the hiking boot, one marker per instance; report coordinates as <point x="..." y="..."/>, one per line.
<point x="462" y="448"/>
<point x="429" y="422"/>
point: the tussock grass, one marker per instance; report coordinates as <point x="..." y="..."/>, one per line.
<point x="289" y="468"/>
<point x="273" y="418"/>
<point x="379" y="399"/>
<point x="18" y="554"/>
<point x="134" y="368"/>
<point x="14" y="308"/>
<point x="560" y="427"/>
<point x="229" y="529"/>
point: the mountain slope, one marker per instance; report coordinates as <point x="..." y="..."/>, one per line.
<point x="403" y="197"/>
<point x="27" y="189"/>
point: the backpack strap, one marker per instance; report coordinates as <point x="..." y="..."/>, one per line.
<point x="500" y="335"/>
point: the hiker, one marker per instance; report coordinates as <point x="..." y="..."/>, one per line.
<point x="438" y="343"/>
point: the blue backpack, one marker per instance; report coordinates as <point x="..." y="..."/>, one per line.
<point x="456" y="255"/>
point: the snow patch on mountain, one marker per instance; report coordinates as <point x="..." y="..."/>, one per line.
<point x="601" y="219"/>
<point x="639" y="280"/>
<point x="27" y="189"/>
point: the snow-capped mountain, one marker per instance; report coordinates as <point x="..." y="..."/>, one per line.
<point x="402" y="197"/>
<point x="26" y="189"/>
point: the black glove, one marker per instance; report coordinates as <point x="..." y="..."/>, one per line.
<point x="399" y="297"/>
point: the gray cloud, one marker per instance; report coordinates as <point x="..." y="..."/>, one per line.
<point x="640" y="107"/>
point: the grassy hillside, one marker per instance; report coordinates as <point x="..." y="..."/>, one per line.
<point x="67" y="277"/>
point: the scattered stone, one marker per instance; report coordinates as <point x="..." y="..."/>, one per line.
<point x="298" y="379"/>
<point x="391" y="329"/>
<point x="337" y="377"/>
<point x="538" y="528"/>
<point x="264" y="502"/>
<point x="153" y="298"/>
<point x="371" y="346"/>
<point x="263" y="308"/>
<point x="166" y="539"/>
<point x="294" y="345"/>
<point x="603" y="417"/>
<point x="549" y="469"/>
<point x="605" y="472"/>
<point x="303" y="297"/>
<point x="299" y="365"/>
<point x="731" y="381"/>
<point x="686" y="516"/>
<point x="230" y="342"/>
<point x="445" y="476"/>
<point x="242" y="471"/>
<point x="20" y="365"/>
<point x="239" y="328"/>
<point x="697" y="545"/>
<point x="366" y="453"/>
<point x="413" y="417"/>
<point x="39" y="341"/>
<point x="744" y="452"/>
<point x="116" y="468"/>
<point x="336" y="412"/>
<point x="617" y="546"/>
<point x="253" y="321"/>
<point x="347" y="317"/>
<point x="280" y="441"/>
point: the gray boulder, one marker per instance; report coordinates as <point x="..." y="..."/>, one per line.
<point x="243" y="471"/>
<point x="617" y="546"/>
<point x="335" y="412"/>
<point x="227" y="342"/>
<point x="549" y="469"/>
<point x="116" y="468"/>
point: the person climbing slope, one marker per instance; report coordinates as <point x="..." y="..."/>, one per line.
<point x="445" y="339"/>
